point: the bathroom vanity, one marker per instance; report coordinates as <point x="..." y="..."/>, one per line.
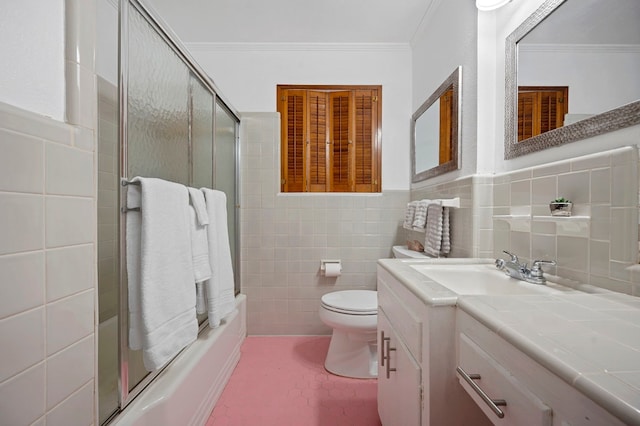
<point x="460" y="343"/>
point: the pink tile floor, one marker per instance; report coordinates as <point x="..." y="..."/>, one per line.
<point x="281" y="381"/>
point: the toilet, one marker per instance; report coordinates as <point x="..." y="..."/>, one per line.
<point x="353" y="316"/>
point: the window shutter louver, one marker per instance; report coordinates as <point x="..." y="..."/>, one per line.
<point x="294" y="135"/>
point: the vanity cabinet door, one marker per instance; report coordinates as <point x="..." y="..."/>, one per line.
<point x="399" y="378"/>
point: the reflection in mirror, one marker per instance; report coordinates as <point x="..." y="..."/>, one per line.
<point x="435" y="131"/>
<point x="577" y="63"/>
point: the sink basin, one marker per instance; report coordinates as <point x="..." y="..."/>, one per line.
<point x="472" y="279"/>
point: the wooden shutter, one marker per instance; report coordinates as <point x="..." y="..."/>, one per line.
<point x="365" y="141"/>
<point x="294" y="136"/>
<point x="446" y="130"/>
<point x="341" y="138"/>
<point x="317" y="146"/>
<point x="541" y="109"/>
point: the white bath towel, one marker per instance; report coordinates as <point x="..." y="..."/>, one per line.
<point x="198" y="223"/>
<point x="133" y="227"/>
<point x="220" y="288"/>
<point x="420" y="217"/>
<point x="433" y="231"/>
<point x="409" y="214"/>
<point x="199" y="205"/>
<point x="161" y="291"/>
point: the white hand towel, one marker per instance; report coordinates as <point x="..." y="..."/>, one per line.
<point x="199" y="248"/>
<point x="409" y="214"/>
<point x="433" y="236"/>
<point x="220" y="288"/>
<point x="165" y="284"/>
<point x="420" y="217"/>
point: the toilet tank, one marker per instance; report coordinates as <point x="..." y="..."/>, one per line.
<point x="403" y="252"/>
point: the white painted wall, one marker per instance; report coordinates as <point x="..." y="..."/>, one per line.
<point x="247" y="75"/>
<point x="32" y="51"/>
<point x="443" y="43"/>
<point x="503" y="22"/>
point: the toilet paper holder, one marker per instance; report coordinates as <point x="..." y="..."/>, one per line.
<point x="325" y="262"/>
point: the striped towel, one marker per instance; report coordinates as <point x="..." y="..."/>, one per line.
<point x="420" y="217"/>
<point x="446" y="237"/>
<point x="433" y="236"/>
<point x="409" y="214"/>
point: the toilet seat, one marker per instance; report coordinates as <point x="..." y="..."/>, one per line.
<point x="351" y="302"/>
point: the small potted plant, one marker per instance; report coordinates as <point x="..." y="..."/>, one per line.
<point x="560" y="207"/>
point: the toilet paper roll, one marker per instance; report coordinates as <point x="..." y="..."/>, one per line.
<point x="332" y="269"/>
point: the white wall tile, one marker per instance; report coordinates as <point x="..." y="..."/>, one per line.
<point x="69" y="320"/>
<point x="22" y="342"/>
<point x="75" y="410"/>
<point x="69" y="221"/>
<point x="21" y="282"/>
<point x="69" y="370"/>
<point x="573" y="253"/>
<point x="69" y="270"/>
<point x="21" y="163"/>
<point x="69" y="171"/>
<point x="22" y="397"/>
<point x="574" y="186"/>
<point x="21" y="223"/>
<point x="521" y="193"/>
<point x="601" y="186"/>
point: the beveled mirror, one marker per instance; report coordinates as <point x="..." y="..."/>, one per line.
<point x="571" y="73"/>
<point x="435" y="131"/>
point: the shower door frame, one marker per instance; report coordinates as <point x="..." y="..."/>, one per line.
<point x="162" y="29"/>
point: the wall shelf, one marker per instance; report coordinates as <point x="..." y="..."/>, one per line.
<point x="574" y="226"/>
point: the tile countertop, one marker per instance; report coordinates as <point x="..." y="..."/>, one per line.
<point x="591" y="341"/>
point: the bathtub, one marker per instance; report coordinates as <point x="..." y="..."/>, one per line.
<point x="186" y="391"/>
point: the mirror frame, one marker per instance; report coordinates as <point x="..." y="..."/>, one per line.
<point x="454" y="80"/>
<point x="618" y="118"/>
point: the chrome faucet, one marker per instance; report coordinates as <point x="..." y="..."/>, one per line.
<point x="520" y="271"/>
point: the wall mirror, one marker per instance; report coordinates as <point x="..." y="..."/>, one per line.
<point x="435" y="131"/>
<point x="571" y="73"/>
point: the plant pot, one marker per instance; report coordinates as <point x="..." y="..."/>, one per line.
<point x="560" y="209"/>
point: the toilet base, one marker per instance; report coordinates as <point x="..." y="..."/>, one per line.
<point x="352" y="355"/>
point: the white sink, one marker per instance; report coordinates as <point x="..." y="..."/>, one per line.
<point x="471" y="279"/>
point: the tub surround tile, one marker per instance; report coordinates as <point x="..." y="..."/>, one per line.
<point x="22" y="398"/>
<point x="69" y="171"/>
<point x="69" y="221"/>
<point x="69" y="370"/>
<point x="21" y="282"/>
<point x="21" y="223"/>
<point x="24" y="334"/>
<point x="77" y="409"/>
<point x="21" y="163"/>
<point x="69" y="320"/>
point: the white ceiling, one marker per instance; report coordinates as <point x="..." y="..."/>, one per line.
<point x="293" y="21"/>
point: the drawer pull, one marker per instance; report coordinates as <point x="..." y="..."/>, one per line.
<point x="388" y="356"/>
<point x="492" y="403"/>
<point x="382" y="352"/>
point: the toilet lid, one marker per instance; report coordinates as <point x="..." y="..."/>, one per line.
<point x="352" y="301"/>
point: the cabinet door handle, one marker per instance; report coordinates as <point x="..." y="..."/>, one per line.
<point x="492" y="403"/>
<point x="383" y="339"/>
<point x="389" y="369"/>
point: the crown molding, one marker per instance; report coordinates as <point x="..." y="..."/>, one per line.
<point x="297" y="47"/>
<point x="586" y="48"/>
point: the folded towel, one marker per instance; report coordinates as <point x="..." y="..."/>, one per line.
<point x="446" y="227"/>
<point x="161" y="291"/>
<point x="433" y="240"/>
<point x="409" y="215"/>
<point x="420" y="217"/>
<point x="220" y="288"/>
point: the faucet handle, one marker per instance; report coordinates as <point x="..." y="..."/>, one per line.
<point x="514" y="258"/>
<point x="536" y="267"/>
